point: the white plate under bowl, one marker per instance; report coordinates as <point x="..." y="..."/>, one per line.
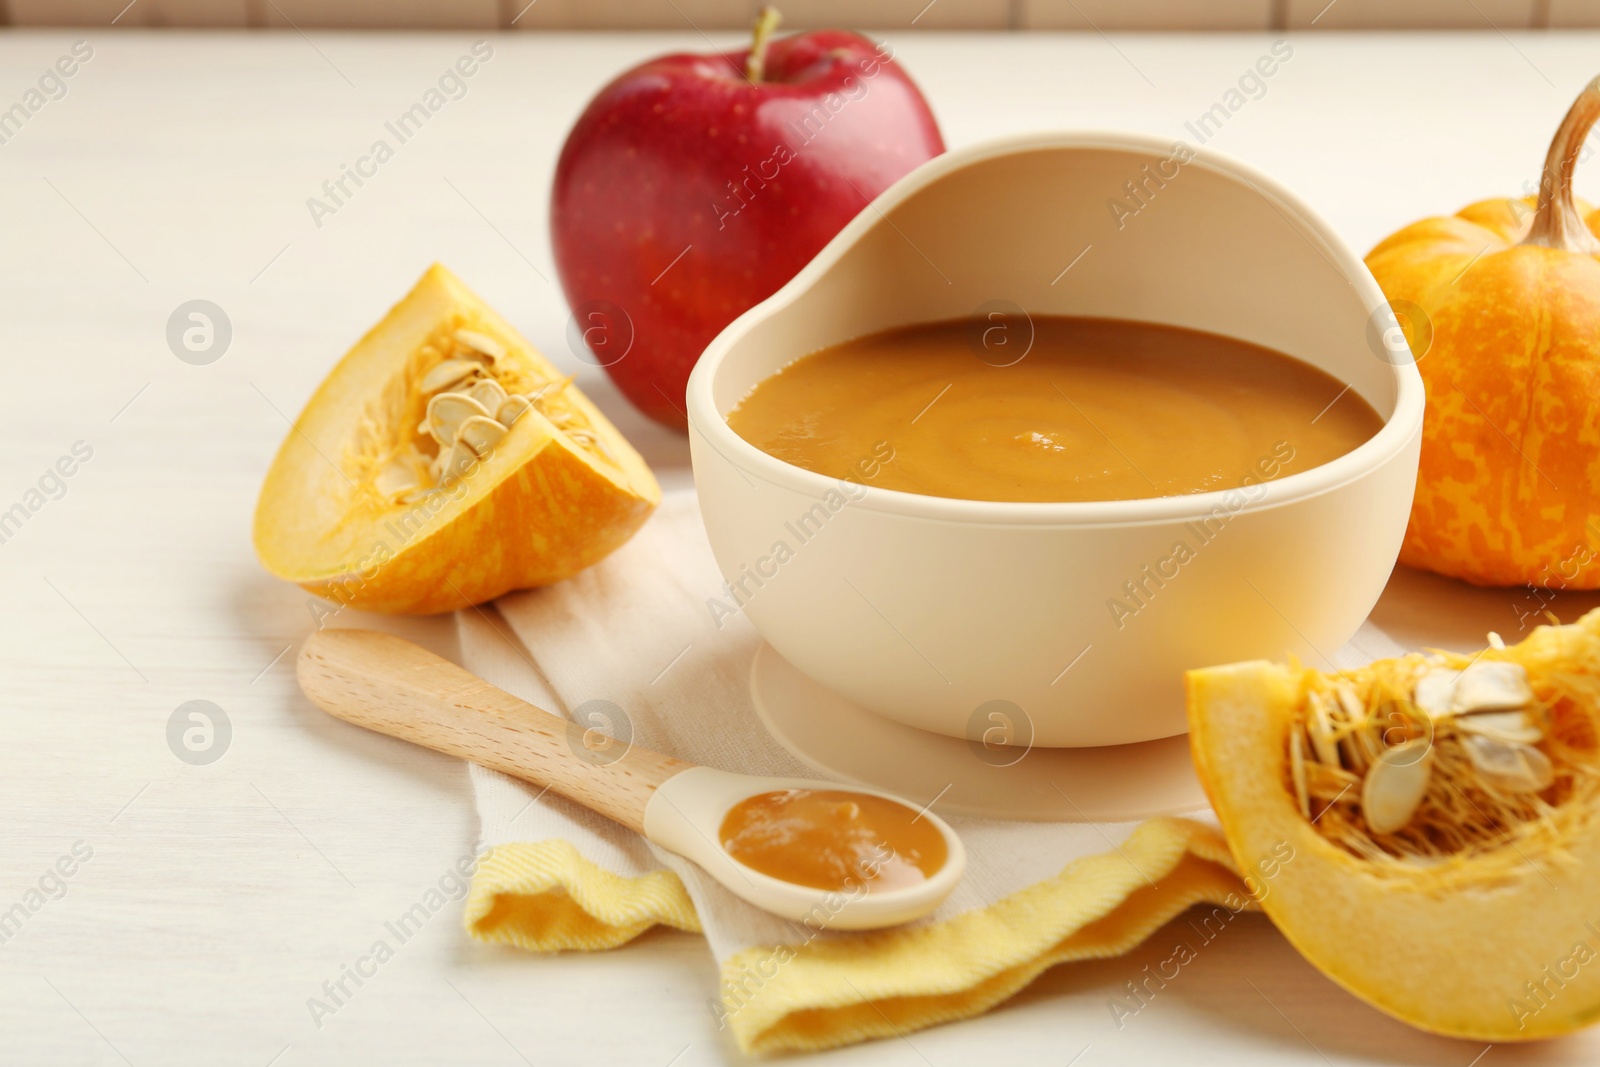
<point x="834" y="737"/>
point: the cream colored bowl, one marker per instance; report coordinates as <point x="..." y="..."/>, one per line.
<point x="1065" y="624"/>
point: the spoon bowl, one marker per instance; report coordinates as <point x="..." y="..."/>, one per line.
<point x="685" y="812"/>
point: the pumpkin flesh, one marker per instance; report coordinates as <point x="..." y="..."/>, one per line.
<point x="559" y="491"/>
<point x="1481" y="919"/>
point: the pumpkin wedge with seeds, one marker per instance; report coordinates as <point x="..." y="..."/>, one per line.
<point x="444" y="462"/>
<point x="1443" y="813"/>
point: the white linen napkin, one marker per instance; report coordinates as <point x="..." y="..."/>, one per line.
<point x="635" y="631"/>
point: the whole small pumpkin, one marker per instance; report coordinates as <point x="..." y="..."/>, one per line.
<point x="1501" y="305"/>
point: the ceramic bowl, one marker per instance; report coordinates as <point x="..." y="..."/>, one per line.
<point x="1060" y="624"/>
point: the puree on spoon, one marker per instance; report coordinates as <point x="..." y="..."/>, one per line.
<point x="833" y="839"/>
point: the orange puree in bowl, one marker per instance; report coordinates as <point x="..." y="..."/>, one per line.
<point x="1053" y="410"/>
<point x="833" y="839"/>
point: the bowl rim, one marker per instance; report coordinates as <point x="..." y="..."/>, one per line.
<point x="1400" y="428"/>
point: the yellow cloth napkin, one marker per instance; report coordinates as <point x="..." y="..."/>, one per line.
<point x="631" y="647"/>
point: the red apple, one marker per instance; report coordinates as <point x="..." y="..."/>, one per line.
<point x="694" y="186"/>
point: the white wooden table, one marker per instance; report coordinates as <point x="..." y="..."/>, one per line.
<point x="219" y="898"/>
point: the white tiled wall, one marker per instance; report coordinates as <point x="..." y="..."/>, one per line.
<point x="1065" y="15"/>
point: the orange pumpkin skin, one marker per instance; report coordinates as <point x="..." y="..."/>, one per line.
<point x="1509" y="482"/>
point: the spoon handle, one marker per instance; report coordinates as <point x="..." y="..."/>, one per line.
<point x="397" y="688"/>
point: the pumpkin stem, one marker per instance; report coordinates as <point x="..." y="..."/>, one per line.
<point x="755" y="68"/>
<point x="1557" y="223"/>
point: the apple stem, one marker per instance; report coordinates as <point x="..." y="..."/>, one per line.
<point x="1557" y="223"/>
<point x="755" y="68"/>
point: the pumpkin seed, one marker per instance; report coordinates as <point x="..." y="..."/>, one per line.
<point x="445" y="374"/>
<point x="454" y="463"/>
<point x="1297" y="771"/>
<point x="512" y="409"/>
<point x="1486" y="685"/>
<point x="480" y="434"/>
<point x="1320" y="727"/>
<point x="1435" y="692"/>
<point x="1356" y="750"/>
<point x="488" y="392"/>
<point x="446" y="413"/>
<point x="1512" y="726"/>
<point x="1394" y="787"/>
<point x="481" y="343"/>
<point x="1492" y="685"/>
<point x="549" y="391"/>
<point x="1353" y="706"/>
<point x="469" y="412"/>
<point x="1508" y="766"/>
<point x="396" y="477"/>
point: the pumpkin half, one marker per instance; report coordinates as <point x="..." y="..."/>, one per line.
<point x="1424" y="830"/>
<point x="1501" y="305"/>
<point x="444" y="462"/>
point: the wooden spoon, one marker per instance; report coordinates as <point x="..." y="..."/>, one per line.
<point x="392" y="686"/>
